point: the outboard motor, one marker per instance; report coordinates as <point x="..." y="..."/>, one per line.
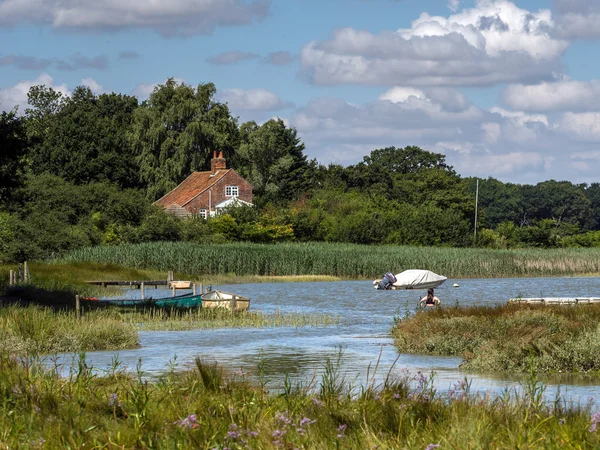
<point x="387" y="281"/>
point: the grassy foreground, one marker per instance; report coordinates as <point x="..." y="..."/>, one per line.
<point x="340" y="260"/>
<point x="508" y="338"/>
<point x="209" y="409"/>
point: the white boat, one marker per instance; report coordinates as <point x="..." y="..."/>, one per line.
<point x="414" y="279"/>
<point x="220" y="299"/>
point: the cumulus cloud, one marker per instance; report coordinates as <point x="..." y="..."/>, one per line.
<point x="169" y="18"/>
<point x="494" y="42"/>
<point x="93" y="85"/>
<point x="17" y="95"/>
<point x="232" y="57"/>
<point x="557" y="96"/>
<point x="252" y="100"/>
<point x="514" y="146"/>
<point x="281" y="58"/>
<point x="578" y="19"/>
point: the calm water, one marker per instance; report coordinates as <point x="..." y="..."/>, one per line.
<point x="363" y="337"/>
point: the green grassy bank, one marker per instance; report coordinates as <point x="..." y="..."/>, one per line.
<point x="508" y="338"/>
<point x="340" y="260"/>
<point x="208" y="408"/>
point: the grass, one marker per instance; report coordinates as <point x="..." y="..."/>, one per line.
<point x="37" y="331"/>
<point x="206" y="407"/>
<point x="339" y="260"/>
<point x="507" y="338"/>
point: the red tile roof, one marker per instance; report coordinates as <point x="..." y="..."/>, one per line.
<point x="190" y="188"/>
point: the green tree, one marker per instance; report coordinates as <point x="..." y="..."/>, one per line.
<point x="271" y="157"/>
<point x="82" y="138"/>
<point x="175" y="132"/>
<point x="13" y="143"/>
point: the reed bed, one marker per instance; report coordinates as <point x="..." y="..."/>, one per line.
<point x="207" y="407"/>
<point x="340" y="260"/>
<point x="198" y="319"/>
<point x="37" y="330"/>
<point x="508" y="338"/>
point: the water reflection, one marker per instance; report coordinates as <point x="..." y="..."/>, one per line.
<point x="367" y="316"/>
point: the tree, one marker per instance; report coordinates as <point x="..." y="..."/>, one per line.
<point x="175" y="132"/>
<point x="82" y="138"/>
<point x="271" y="157"/>
<point x="13" y="143"/>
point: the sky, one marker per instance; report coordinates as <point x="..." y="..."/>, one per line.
<point x="505" y="89"/>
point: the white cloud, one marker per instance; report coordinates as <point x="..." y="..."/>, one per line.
<point x="494" y="42"/>
<point x="583" y="126"/>
<point x="453" y="5"/>
<point x="558" y="96"/>
<point x="578" y="19"/>
<point x="17" y="95"/>
<point x="400" y="94"/>
<point x="173" y="17"/>
<point x="93" y="85"/>
<point x="252" y="99"/>
<point x="520" y="117"/>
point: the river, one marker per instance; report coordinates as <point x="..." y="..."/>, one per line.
<point x="362" y="338"/>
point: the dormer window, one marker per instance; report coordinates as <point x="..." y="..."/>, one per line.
<point x="232" y="191"/>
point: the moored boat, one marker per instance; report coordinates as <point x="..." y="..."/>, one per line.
<point x="220" y="299"/>
<point x="179" y="301"/>
<point x="410" y="279"/>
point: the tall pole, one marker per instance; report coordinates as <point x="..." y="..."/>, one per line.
<point x="476" y="201"/>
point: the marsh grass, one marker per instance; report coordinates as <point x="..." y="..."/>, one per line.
<point x="340" y="260"/>
<point x="160" y="319"/>
<point x="505" y="338"/>
<point x="208" y="407"/>
<point x="37" y="330"/>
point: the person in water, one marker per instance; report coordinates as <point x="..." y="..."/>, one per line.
<point x="430" y="299"/>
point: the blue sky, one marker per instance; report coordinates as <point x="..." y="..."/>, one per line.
<point x="508" y="89"/>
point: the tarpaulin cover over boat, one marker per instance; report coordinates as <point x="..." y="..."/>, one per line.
<point x="418" y="279"/>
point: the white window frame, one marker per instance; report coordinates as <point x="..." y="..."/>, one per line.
<point x="232" y="191"/>
<point x="203" y="213"/>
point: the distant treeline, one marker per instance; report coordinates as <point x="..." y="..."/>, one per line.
<point x="84" y="169"/>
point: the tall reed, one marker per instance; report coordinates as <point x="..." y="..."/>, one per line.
<point x="340" y="260"/>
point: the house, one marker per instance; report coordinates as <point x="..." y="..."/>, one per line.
<point x="208" y="193"/>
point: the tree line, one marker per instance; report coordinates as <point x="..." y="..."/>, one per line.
<point x="83" y="169"/>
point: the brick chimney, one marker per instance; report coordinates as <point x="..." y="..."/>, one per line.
<point x="217" y="162"/>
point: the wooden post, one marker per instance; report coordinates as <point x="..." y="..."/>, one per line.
<point x="20" y="272"/>
<point x="194" y="288"/>
<point x="10" y="277"/>
<point x="142" y="290"/>
<point x="201" y="288"/>
<point x="26" y="272"/>
<point x="170" y="276"/>
<point x="234" y="303"/>
<point x="77" y="306"/>
<point x="173" y="289"/>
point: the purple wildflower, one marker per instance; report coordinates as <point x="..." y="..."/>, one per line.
<point x="396" y="396"/>
<point x="341" y="430"/>
<point x="595" y="421"/>
<point x="112" y="399"/>
<point x="188" y="422"/>
<point x="233" y="432"/>
<point x="283" y="418"/>
<point x="432" y="446"/>
<point x="317" y="402"/>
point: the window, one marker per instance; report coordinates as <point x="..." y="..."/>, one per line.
<point x="231" y="191"/>
<point x="203" y="213"/>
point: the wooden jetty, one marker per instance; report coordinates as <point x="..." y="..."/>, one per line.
<point x="556" y="300"/>
<point x="132" y="284"/>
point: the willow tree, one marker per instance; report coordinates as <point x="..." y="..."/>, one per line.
<point x="176" y="130"/>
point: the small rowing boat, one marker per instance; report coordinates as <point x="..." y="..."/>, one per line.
<point x="220" y="299"/>
<point x="179" y="301"/>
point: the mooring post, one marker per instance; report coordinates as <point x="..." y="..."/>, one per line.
<point x="20" y="272"/>
<point x="173" y="289"/>
<point x="170" y="276"/>
<point x="25" y="272"/>
<point x="10" y="277"/>
<point x="77" y="306"/>
<point x="234" y="303"/>
<point x="142" y="290"/>
<point x="194" y="288"/>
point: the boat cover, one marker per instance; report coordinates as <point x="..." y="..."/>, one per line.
<point x="418" y="279"/>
